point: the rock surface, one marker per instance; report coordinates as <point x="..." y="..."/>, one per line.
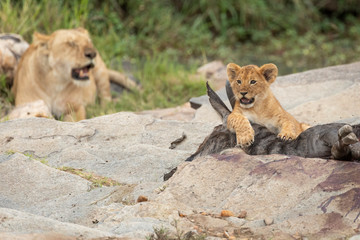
<point x="181" y="113"/>
<point x="28" y="110"/>
<point x="82" y="180"/>
<point x="214" y="72"/>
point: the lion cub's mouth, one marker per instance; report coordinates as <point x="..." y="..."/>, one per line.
<point x="81" y="73"/>
<point x="246" y="101"/>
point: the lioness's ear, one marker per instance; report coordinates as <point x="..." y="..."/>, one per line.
<point x="41" y="42"/>
<point x="231" y="70"/>
<point x="40" y="39"/>
<point x="269" y="71"/>
<point x="83" y="30"/>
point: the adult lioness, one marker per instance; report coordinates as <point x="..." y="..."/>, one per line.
<point x="65" y="71"/>
<point x="254" y="101"/>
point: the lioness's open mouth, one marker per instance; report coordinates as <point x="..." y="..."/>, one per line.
<point x="81" y="73"/>
<point x="245" y="100"/>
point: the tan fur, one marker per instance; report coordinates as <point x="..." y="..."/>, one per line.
<point x="259" y="105"/>
<point x="45" y="72"/>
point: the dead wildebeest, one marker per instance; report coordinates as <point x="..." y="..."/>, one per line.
<point x="329" y="141"/>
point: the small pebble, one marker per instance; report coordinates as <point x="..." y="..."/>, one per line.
<point x="226" y="213"/>
<point x="268" y="221"/>
<point x="242" y="214"/>
<point x="142" y="199"/>
<point x="181" y="215"/>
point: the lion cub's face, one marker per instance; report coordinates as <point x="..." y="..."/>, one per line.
<point x="250" y="84"/>
<point x="71" y="54"/>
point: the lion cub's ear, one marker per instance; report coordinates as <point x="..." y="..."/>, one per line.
<point x="269" y="71"/>
<point x="232" y="70"/>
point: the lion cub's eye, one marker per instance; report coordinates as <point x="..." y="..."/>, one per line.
<point x="252" y="82"/>
<point x="238" y="81"/>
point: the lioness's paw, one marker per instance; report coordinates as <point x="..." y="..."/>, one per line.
<point x="286" y="136"/>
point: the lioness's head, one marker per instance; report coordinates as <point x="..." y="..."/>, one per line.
<point x="70" y="53"/>
<point x="251" y="83"/>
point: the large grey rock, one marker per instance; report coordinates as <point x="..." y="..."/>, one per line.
<point x="126" y="147"/>
<point x="284" y="197"/>
<point x="133" y="150"/>
<point x="13" y="221"/>
<point x="323" y="95"/>
<point x="31" y="186"/>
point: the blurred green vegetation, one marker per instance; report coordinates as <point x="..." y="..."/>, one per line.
<point x="168" y="39"/>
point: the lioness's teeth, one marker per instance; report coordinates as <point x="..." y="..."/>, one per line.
<point x="82" y="73"/>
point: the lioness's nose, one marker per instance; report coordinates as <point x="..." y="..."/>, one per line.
<point x="90" y="53"/>
<point x="243" y="93"/>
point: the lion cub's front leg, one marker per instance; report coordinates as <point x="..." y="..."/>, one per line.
<point x="288" y="132"/>
<point x="291" y="129"/>
<point x="238" y="123"/>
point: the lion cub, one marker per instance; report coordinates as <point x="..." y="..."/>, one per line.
<point x="255" y="102"/>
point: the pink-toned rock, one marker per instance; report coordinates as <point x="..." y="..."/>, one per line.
<point x="313" y="197"/>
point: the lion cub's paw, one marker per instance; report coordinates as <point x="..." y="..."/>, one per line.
<point x="245" y="139"/>
<point x="287" y="136"/>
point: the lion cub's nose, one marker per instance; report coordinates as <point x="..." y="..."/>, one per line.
<point x="90" y="53"/>
<point x="243" y="93"/>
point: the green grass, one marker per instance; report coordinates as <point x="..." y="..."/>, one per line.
<point x="6" y="98"/>
<point x="164" y="84"/>
<point x="163" y="233"/>
<point x="166" y="40"/>
<point x="31" y="156"/>
<point x="96" y="180"/>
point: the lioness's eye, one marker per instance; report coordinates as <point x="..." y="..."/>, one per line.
<point x="252" y="82"/>
<point x="71" y="44"/>
<point x="238" y="81"/>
